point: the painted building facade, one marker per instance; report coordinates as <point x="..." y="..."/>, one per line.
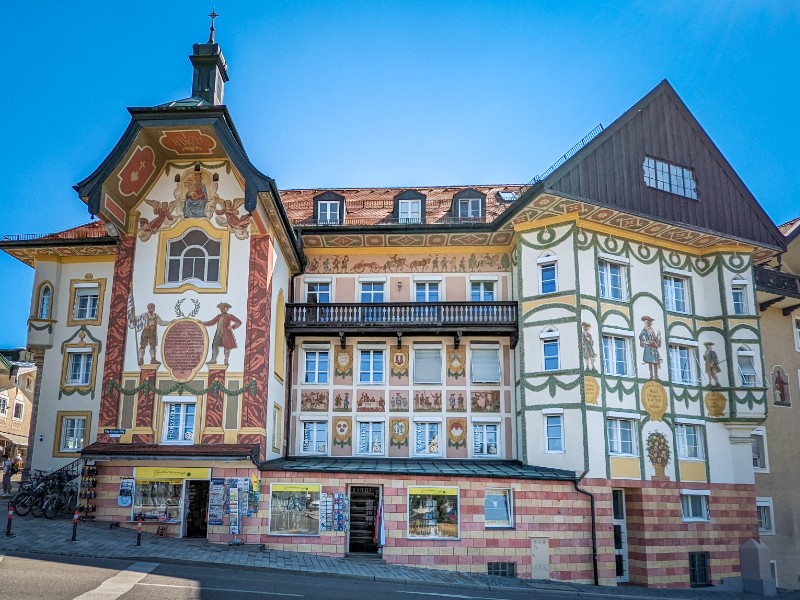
<point x="17" y="383"/>
<point x="559" y="379"/>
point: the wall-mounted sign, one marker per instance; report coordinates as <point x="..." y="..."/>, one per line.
<point x="114" y="433"/>
<point x="183" y="348"/>
<point x="172" y="473"/>
<point x="125" y="497"/>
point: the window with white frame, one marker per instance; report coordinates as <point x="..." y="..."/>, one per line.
<point x="621" y="436"/>
<point x="690" y="441"/>
<point x="179" y="417"/>
<point x="485" y="363"/>
<point x="485" y="440"/>
<point x="470" y="207"/>
<point x="370" y="437"/>
<point x="694" y="505"/>
<point x="45" y="301"/>
<point x="426" y="438"/>
<point x="73" y="434"/>
<point x="682" y="365"/>
<point x="3" y="403"/>
<point x="676" y="293"/>
<point x="328" y="212"/>
<point x="426" y="291"/>
<point x="318" y="292"/>
<point x="550" y="350"/>
<point x="372" y="292"/>
<point x="766" y="524"/>
<point x="482" y="291"/>
<point x="747" y="367"/>
<point x="79" y="367"/>
<point x="616" y="355"/>
<point x="193" y="256"/>
<point x="316" y="370"/>
<point x="86" y="302"/>
<point x="410" y="211"/>
<point x="315" y="437"/>
<point x="554" y="433"/>
<point x="758" y="442"/>
<point x="498" y="508"/>
<point x="613" y="278"/>
<point x="371" y="366"/>
<point x="797" y="334"/>
<point x="739" y="296"/>
<point x="548" y="282"/>
<point x="427" y="364"/>
<point x="668" y="177"/>
<point x="19" y="409"/>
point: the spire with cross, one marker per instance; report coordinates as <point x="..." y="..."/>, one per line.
<point x="213" y="16"/>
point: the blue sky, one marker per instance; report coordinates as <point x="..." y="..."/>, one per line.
<point x="350" y="93"/>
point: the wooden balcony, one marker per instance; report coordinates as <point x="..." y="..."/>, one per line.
<point x="398" y="318"/>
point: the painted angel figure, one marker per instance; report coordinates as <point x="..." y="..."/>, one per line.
<point x="227" y="212"/>
<point x="164" y="217"/>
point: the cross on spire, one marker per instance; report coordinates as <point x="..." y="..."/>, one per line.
<point x="213" y="16"/>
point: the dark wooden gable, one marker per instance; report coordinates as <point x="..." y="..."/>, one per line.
<point x="609" y="171"/>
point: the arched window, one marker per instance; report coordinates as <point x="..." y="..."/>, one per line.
<point x="747" y="368"/>
<point x="548" y="280"/>
<point x="193" y="256"/>
<point x="45" y="301"/>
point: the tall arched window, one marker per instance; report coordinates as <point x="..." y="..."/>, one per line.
<point x="193" y="256"/>
<point x="45" y="301"/>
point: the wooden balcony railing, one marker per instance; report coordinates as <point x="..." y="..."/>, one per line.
<point x="776" y="282"/>
<point x="419" y="318"/>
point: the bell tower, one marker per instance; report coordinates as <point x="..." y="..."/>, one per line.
<point x="210" y="70"/>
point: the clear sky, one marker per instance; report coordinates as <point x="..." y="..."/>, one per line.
<point x="377" y="93"/>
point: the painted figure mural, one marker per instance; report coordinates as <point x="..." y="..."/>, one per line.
<point x="223" y="337"/>
<point x="147" y="323"/>
<point x="227" y="212"/>
<point x="780" y="387"/>
<point x="195" y="198"/>
<point x="164" y="218"/>
<point x="650" y="340"/>
<point x="711" y="364"/>
<point x="587" y="347"/>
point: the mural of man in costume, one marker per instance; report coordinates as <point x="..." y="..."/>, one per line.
<point x="650" y="340"/>
<point x="712" y="364"/>
<point x="587" y="347"/>
<point x="148" y="323"/>
<point x="223" y="337"/>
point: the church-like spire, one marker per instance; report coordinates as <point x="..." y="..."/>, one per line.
<point x="210" y="70"/>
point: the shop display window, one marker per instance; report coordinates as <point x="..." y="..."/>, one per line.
<point x="497" y="507"/>
<point x="433" y="512"/>
<point x="158" y="500"/>
<point x="294" y="509"/>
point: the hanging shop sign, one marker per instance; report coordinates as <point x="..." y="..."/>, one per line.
<point x="216" y="501"/>
<point x="172" y="473"/>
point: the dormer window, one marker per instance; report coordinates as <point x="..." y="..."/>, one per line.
<point x="670" y="178"/>
<point x="329" y="209"/>
<point x="469" y="205"/>
<point x="507" y="196"/>
<point x="409" y="208"/>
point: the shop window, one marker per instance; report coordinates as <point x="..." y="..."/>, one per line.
<point x="485" y="440"/>
<point x="45" y="301"/>
<point x="554" y="433"/>
<point x="316" y="370"/>
<point x="426" y="439"/>
<point x="485" y="363"/>
<point x="694" y="505"/>
<point x="681" y="365"/>
<point x="613" y="280"/>
<point x="433" y="512"/>
<point x="19" y="409"/>
<point x="158" y="500"/>
<point x="616" y="355"/>
<point x="428" y="364"/>
<point x="371" y="366"/>
<point x="315" y="437"/>
<point x="370" y="437"/>
<point x="699" y="572"/>
<point x="548" y="283"/>
<point x="766" y="524"/>
<point x="498" y="508"/>
<point x="676" y="294"/>
<point x="179" y="421"/>
<point x="294" y="509"/>
<point x="758" y="442"/>
<point x="690" y="441"/>
<point x="739" y="297"/>
<point x="621" y="436"/>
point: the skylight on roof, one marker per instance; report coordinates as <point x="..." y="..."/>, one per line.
<point x="508" y="196"/>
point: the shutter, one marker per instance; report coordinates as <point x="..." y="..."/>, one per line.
<point x="427" y="365"/>
<point x="485" y="365"/>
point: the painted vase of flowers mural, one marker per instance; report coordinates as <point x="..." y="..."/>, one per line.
<point x="658" y="451"/>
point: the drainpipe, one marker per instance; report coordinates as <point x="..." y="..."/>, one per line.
<point x="287" y="425"/>
<point x="594" y="525"/>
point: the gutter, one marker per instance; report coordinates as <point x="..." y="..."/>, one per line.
<point x="594" y="524"/>
<point x="287" y="425"/>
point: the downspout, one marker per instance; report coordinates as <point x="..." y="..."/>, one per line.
<point x="594" y="525"/>
<point x="287" y="424"/>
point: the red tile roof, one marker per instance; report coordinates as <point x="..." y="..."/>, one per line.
<point x="87" y="230"/>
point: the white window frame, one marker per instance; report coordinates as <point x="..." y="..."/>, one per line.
<point x="481" y="348"/>
<point x="422" y="353"/>
<point x="762" y="433"/>
<point x="557" y="418"/>
<point x="428" y="440"/>
<point x="484" y="289"/>
<point x="482" y="428"/>
<point x="548" y="337"/>
<point x="314" y="442"/>
<point x="741" y="308"/>
<point x="206" y="280"/>
<point x="3" y="404"/>
<point x="406" y="210"/>
<point x="324" y="206"/>
<point x="45" y="309"/>
<point x="797" y="334"/>
<point x="613" y="337"/>
<point x="766" y="502"/>
<point x="615" y="447"/>
<point x="317" y="372"/>
<point x="509" y="494"/>
<point x="604" y="279"/>
<point x="676" y="372"/>
<point x="545" y="262"/>
<point x="744" y="374"/>
<point x="670" y="296"/>
<point x="428" y="285"/>
<point x="62" y="447"/>
<point x="373" y="292"/>
<point x="469" y="208"/>
<point x="21" y="404"/>
<point x="684" y="450"/>
<point x="705" y="511"/>
<point x="370" y="424"/>
<point x="311" y="282"/>
<point x="372" y="374"/>
<point x="186" y="401"/>
<point x="86" y="290"/>
<point x="85" y="369"/>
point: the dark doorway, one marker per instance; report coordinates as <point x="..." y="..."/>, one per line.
<point x="363" y="514"/>
<point x="196" y="509"/>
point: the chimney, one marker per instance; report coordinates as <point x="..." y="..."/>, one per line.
<point x="210" y="70"/>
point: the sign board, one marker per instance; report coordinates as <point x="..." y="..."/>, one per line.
<point x="114" y="433"/>
<point x="125" y="497"/>
<point x="172" y="473"/>
<point x="433" y="491"/>
<point x="296" y="487"/>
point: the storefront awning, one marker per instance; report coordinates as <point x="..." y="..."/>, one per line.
<point x="224" y="452"/>
<point x="496" y="469"/>
<point x="19" y="440"/>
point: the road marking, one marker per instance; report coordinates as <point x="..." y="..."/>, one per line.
<point x="203" y="588"/>
<point x="453" y="595"/>
<point x="121" y="583"/>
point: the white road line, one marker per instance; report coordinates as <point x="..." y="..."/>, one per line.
<point x="450" y="595"/>
<point x="203" y="588"/>
<point x="121" y="583"/>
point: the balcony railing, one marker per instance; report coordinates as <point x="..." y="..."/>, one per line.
<point x="419" y="318"/>
<point x="776" y="282"/>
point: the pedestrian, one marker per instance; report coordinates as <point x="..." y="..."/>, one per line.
<point x="6" y="476"/>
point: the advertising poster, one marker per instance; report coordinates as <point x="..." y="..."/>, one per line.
<point x="233" y="509"/>
<point x="243" y="483"/>
<point x="125" y="497"/>
<point x="216" y="501"/>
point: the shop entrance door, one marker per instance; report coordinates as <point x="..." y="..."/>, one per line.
<point x="620" y="535"/>
<point x="363" y="516"/>
<point x="196" y="511"/>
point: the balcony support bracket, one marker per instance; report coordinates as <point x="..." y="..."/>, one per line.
<point x="767" y="303"/>
<point x="790" y="309"/>
<point x="457" y="339"/>
<point x="342" y="339"/>
<point x="399" y="339"/>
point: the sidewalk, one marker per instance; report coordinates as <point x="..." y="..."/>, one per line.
<point x="96" y="540"/>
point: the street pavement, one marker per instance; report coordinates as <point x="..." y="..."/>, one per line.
<point x="35" y="537"/>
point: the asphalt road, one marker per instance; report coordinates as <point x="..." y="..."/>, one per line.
<point x="66" y="578"/>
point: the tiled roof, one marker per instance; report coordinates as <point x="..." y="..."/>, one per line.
<point x="241" y="451"/>
<point x="371" y="206"/>
<point x="496" y="469"/>
<point x="87" y="230"/>
<point x="790" y="226"/>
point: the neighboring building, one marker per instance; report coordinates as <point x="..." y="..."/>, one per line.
<point x="776" y="453"/>
<point x="17" y="384"/>
<point x="473" y="378"/>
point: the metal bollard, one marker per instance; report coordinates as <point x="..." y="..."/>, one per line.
<point x="138" y="530"/>
<point x="10" y="516"/>
<point x="75" y="526"/>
